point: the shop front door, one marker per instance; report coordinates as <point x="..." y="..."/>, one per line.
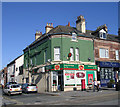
<point x="60" y="81"/>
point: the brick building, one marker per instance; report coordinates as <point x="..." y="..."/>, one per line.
<point x="107" y="54"/>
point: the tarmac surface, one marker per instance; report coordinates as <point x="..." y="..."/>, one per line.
<point x="108" y="96"/>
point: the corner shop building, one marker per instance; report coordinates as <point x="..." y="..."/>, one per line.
<point x="65" y="77"/>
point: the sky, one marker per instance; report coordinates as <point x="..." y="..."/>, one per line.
<point x="20" y="20"/>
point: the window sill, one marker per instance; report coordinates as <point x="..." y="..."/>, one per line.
<point x="105" y="58"/>
<point x="74" y="40"/>
<point x="56" y="60"/>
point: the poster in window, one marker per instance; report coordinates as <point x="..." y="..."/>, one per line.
<point x="90" y="78"/>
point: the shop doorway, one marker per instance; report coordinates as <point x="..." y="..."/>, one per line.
<point x="60" y="81"/>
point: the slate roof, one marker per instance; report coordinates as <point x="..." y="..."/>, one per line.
<point x="68" y="30"/>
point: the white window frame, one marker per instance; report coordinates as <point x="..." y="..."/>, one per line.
<point x="117" y="54"/>
<point x="74" y="36"/>
<point x="56" y="54"/>
<point x="77" y="54"/>
<point x="103" y="53"/>
<point x="72" y="52"/>
<point x="101" y="32"/>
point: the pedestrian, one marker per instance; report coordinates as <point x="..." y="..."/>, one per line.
<point x="95" y="85"/>
<point x="99" y="87"/>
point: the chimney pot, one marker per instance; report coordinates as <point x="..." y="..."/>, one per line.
<point x="49" y="27"/>
<point x="69" y="24"/>
<point x="38" y="34"/>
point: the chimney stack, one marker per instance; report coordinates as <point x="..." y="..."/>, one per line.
<point x="80" y="24"/>
<point x="48" y="27"/>
<point x="38" y="34"/>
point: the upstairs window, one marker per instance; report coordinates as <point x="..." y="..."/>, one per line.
<point x="117" y="54"/>
<point x="104" y="53"/>
<point x="102" y="34"/>
<point x="56" y="54"/>
<point x="72" y="52"/>
<point x="77" y="54"/>
<point x="74" y="36"/>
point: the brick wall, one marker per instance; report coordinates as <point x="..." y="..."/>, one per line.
<point x="111" y="46"/>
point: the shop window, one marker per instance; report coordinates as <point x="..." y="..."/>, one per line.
<point x="77" y="54"/>
<point x="56" y="54"/>
<point x="72" y="56"/>
<point x="104" y="53"/>
<point x="107" y="73"/>
<point x="54" y="79"/>
<point x="117" y="54"/>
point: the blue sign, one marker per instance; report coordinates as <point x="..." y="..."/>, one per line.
<point x="109" y="64"/>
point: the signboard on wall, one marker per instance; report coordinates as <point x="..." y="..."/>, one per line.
<point x="90" y="78"/>
<point x="69" y="78"/>
<point x="73" y="77"/>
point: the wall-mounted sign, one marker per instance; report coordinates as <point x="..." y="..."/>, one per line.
<point x="69" y="55"/>
<point x="81" y="67"/>
<point x="80" y="75"/>
<point x="90" y="78"/>
<point x="109" y="64"/>
<point x="72" y="67"/>
<point x="57" y="67"/>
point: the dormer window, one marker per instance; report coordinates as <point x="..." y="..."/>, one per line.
<point x="102" y="34"/>
<point x="74" y="36"/>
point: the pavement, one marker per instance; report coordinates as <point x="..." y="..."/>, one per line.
<point x="62" y="93"/>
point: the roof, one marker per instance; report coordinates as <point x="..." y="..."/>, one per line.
<point x="13" y="61"/>
<point x="68" y="30"/>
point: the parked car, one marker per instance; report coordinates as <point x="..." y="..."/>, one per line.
<point x="12" y="89"/>
<point x="29" y="88"/>
<point x="21" y="85"/>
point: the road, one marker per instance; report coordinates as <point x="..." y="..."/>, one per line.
<point x="106" y="97"/>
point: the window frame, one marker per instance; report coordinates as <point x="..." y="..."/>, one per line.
<point x="74" y="36"/>
<point x="101" y="34"/>
<point x="117" y="54"/>
<point x="77" y="54"/>
<point x="105" y="52"/>
<point x="56" y="54"/>
<point x="72" y="56"/>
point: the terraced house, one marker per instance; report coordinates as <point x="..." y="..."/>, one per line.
<point x="61" y="58"/>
